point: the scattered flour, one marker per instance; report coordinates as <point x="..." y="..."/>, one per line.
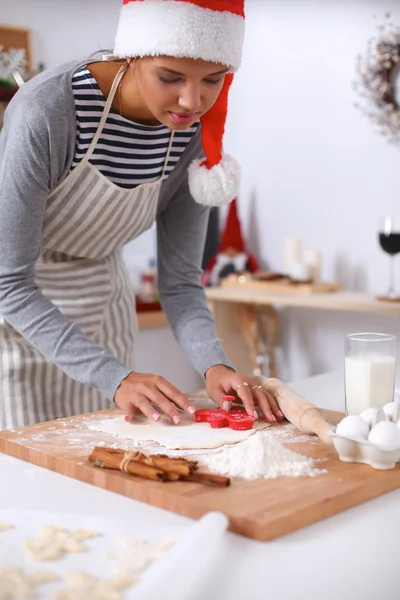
<point x="289" y="434"/>
<point x="260" y="456"/>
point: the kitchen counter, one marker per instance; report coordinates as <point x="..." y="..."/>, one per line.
<point x="351" y="556"/>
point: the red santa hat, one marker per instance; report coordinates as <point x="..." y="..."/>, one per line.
<point x="212" y="30"/>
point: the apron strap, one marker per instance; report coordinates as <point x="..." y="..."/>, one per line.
<point x="106" y="111"/>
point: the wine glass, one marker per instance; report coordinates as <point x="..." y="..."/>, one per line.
<point x="389" y="240"/>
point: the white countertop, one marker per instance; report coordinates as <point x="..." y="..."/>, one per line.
<point x="352" y="556"/>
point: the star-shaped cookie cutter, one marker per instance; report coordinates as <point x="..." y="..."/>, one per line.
<point x="218" y="418"/>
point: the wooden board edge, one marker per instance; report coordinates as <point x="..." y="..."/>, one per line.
<point x="306" y="517"/>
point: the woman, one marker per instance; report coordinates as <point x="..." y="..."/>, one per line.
<point x="91" y="155"/>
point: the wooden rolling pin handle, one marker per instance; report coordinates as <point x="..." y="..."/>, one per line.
<point x="312" y="422"/>
<point x="304" y="415"/>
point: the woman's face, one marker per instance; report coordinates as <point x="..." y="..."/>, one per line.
<point x="178" y="91"/>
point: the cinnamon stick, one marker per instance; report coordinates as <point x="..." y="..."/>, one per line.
<point x="198" y="477"/>
<point x="134" y="468"/>
<point x="180" y="466"/>
<point x="172" y="465"/>
<point x="172" y="476"/>
<point x="157" y="467"/>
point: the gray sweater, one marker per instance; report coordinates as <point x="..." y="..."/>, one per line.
<point x="37" y="146"/>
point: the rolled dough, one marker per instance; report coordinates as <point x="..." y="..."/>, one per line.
<point x="189" y="435"/>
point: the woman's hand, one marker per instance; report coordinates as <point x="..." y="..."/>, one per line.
<point x="221" y="380"/>
<point x="151" y="394"/>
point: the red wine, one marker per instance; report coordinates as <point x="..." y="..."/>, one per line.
<point x="390" y="243"/>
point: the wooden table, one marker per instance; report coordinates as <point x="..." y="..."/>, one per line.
<point x="248" y="321"/>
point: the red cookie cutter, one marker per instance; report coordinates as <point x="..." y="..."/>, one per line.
<point x="235" y="419"/>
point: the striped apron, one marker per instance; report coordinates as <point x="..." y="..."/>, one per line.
<point x="88" y="220"/>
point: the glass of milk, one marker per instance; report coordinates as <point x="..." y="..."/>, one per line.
<point x="370" y="366"/>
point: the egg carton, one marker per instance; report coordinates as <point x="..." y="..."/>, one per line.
<point x="359" y="450"/>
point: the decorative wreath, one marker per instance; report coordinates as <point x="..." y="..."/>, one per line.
<point x="378" y="72"/>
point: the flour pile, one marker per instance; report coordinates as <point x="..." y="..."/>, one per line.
<point x="260" y="456"/>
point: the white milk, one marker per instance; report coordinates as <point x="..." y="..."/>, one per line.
<point x="369" y="382"/>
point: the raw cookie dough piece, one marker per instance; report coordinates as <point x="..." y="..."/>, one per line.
<point x="186" y="436"/>
<point x="83" y="586"/>
<point x="5" y="526"/>
<point x="139" y="554"/>
<point x="15" y="584"/>
<point x="85" y="534"/>
<point x="41" y="577"/>
<point x="55" y="541"/>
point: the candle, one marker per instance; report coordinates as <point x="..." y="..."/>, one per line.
<point x="299" y="271"/>
<point x="312" y="258"/>
<point x="292" y="253"/>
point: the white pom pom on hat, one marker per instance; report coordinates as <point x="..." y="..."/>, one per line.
<point x="212" y="30"/>
<point x="215" y="186"/>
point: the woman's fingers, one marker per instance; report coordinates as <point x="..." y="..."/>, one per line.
<point x="130" y="413"/>
<point x="167" y="407"/>
<point x="146" y="407"/>
<point x="151" y="394"/>
<point x="267" y="403"/>
<point x="264" y="405"/>
<point x="174" y="395"/>
<point x="276" y="411"/>
<point x="244" y="393"/>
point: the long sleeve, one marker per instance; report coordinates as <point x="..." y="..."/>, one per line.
<point x="27" y="150"/>
<point x="181" y="232"/>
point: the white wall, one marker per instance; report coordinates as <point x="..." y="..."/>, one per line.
<point x="313" y="167"/>
<point x="63" y="31"/>
<point x="158" y="352"/>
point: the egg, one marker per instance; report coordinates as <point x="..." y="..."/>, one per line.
<point x="373" y="416"/>
<point x="353" y="426"/>
<point x="392" y="411"/>
<point x="385" y="434"/>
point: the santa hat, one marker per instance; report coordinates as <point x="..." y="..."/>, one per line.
<point x="212" y="30"/>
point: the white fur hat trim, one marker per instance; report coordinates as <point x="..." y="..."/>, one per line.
<point x="181" y="29"/>
<point x="216" y="186"/>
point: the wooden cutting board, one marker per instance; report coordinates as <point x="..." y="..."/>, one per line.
<point x="259" y="509"/>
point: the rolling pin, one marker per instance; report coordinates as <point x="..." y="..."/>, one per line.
<point x="302" y="414"/>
